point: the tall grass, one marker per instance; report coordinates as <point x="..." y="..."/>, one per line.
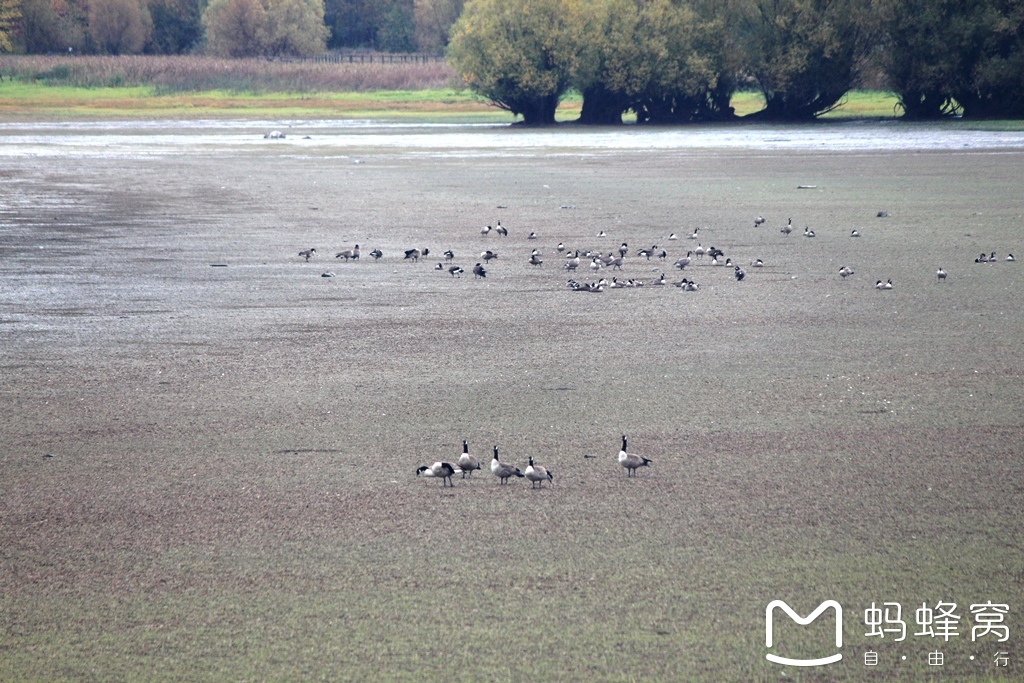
<point x="172" y="74"/>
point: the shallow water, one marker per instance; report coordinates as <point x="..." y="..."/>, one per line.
<point x="147" y="138"/>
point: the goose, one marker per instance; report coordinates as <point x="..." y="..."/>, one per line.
<point x="307" y="254"/>
<point x="760" y="220"/>
<point x="532" y="236"/>
<point x="327" y="274"/>
<point x="883" y="285"/>
<point x="787" y="228"/>
<point x="560" y="247"/>
<point x="882" y="214"/>
<point x="631" y="461"/>
<point x="992" y="258"/>
<point x="488" y="255"/>
<point x="274" y="135"/>
<point x="479" y="271"/>
<point x="616" y="284"/>
<point x="740" y="273"/>
<point x="699" y="251"/>
<point x="758" y="263"/>
<point x="714" y="252"/>
<point x="601" y="234"/>
<point x="535" y="259"/>
<point x="349" y="254"/>
<point x="485" y="230"/>
<point x="501" y="230"/>
<point x="845" y="272"/>
<point x="467" y="463"/>
<point x="660" y="280"/>
<point x="456" y="271"/>
<point x="808" y="232"/>
<point x="449" y="255"/>
<point x="689" y="285"/>
<point x="415" y="254"/>
<point x="715" y="261"/>
<point x="854" y="233"/>
<point x="941" y="274"/>
<point x="596" y="264"/>
<point x="623" y="250"/>
<point x="376" y="254"/>
<point x="445" y="470"/>
<point x="663" y="255"/>
<point x="573" y="263"/>
<point x="647" y="253"/>
<point x="685" y="261"/>
<point x="673" y="236"/>
<point x="538" y="475"/>
<point x="693" y="235"/>
<point x="616" y="264"/>
<point x="1009" y="257"/>
<point x="439" y="266"/>
<point x="981" y="259"/>
<point x="503" y="470"/>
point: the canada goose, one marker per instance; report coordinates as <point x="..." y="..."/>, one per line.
<point x="538" y="475"/>
<point x="883" y="285"/>
<point x="663" y="255"/>
<point x="689" y="285"/>
<point x="560" y="247"/>
<point x="623" y="250"/>
<point x="673" y="236"/>
<point x="699" y="251"/>
<point x="502" y="470"/>
<point x="981" y="259"/>
<point x="660" y="280"/>
<point x="758" y="263"/>
<point x="485" y="230"/>
<point x="616" y="284"/>
<point x="693" y="235"/>
<point x="532" y="236"/>
<point x="445" y="470"/>
<point x="439" y="266"/>
<point x="573" y="263"/>
<point x="740" y="273"/>
<point x="631" y="461"/>
<point x="854" y="233"/>
<point x="760" y="220"/>
<point x="327" y="274"/>
<point x="488" y="255"/>
<point x="808" y="232"/>
<point x="467" y="463"/>
<point x="992" y="257"/>
<point x="307" y="254"/>
<point x="449" y="255"/>
<point x="882" y="214"/>
<point x="415" y="254"/>
<point x="596" y="264"/>
<point x="714" y="252"/>
<point x="1009" y="257"/>
<point x="376" y="254"/>
<point x="456" y="271"/>
<point x="787" y="228"/>
<point x="535" y="259"/>
<point x="601" y="234"/>
<point x="941" y="274"/>
<point x="479" y="271"/>
<point x="647" y="253"/>
<point x="616" y="263"/>
<point x="683" y="262"/>
<point x="349" y="254"/>
<point x="845" y="272"/>
<point x="501" y="230"/>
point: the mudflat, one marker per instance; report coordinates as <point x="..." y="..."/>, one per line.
<point x="208" y="450"/>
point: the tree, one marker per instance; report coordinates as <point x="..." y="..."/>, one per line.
<point x="177" y="26"/>
<point x="119" y="26"/>
<point x="295" y="27"/>
<point x="988" y="79"/>
<point x="804" y="53"/>
<point x="10" y="14"/>
<point x="235" y="28"/>
<point x="520" y="54"/>
<point x="395" y="27"/>
<point x="434" y="20"/>
<point x="351" y="23"/>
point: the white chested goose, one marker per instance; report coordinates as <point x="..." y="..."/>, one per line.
<point x="502" y="470"/>
<point x="307" y="253"/>
<point x="941" y="274"/>
<point x="537" y="474"/>
<point x="444" y="470"/>
<point x="631" y="461"/>
<point x="349" y="254"/>
<point x="467" y="463"/>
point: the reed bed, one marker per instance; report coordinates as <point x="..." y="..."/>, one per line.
<point x="196" y="74"/>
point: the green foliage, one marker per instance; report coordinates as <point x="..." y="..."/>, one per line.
<point x="520" y="54"/>
<point x="10" y="14"/>
<point x="177" y="26"/>
<point x="248" y="28"/>
<point x="119" y="26"/>
<point x="804" y="53"/>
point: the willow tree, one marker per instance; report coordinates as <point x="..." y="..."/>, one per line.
<point x="519" y="54"/>
<point x="805" y="53"/>
<point x="10" y="14"/>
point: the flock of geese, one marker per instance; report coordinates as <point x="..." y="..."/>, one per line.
<point x="597" y="260"/>
<point x="536" y="474"/>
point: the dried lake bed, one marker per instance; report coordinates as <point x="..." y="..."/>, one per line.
<point x="208" y="450"/>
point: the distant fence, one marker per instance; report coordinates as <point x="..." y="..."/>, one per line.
<point x="367" y="58"/>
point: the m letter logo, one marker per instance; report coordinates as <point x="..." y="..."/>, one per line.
<point x="803" y="622"/>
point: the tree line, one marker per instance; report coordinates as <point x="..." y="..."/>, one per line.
<point x="675" y="61"/>
<point x="668" y="61"/>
